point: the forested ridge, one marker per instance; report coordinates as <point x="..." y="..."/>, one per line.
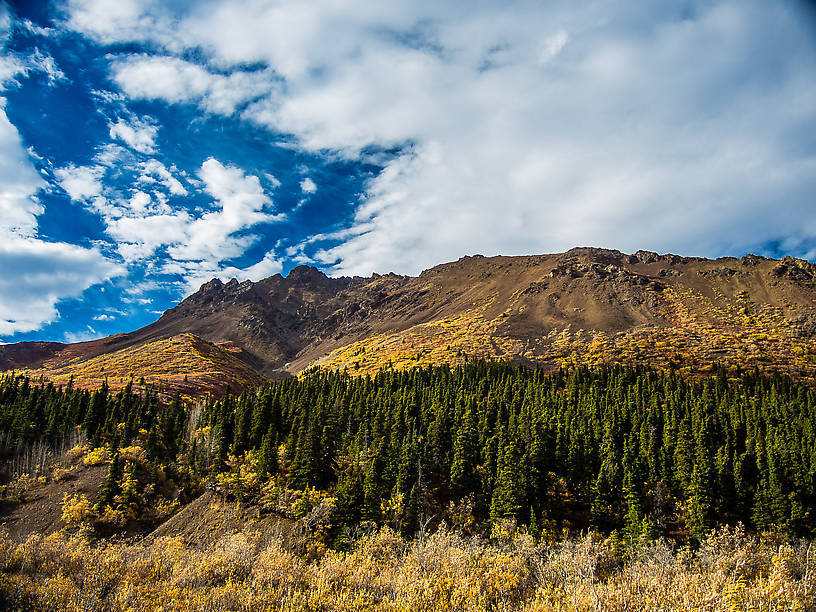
<point x="628" y="450"/>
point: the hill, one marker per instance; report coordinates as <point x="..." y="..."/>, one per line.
<point x="586" y="306"/>
<point x="183" y="363"/>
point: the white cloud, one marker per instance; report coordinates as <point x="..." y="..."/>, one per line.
<point x="141" y="222"/>
<point x="85" y="335"/>
<point x="110" y="20"/>
<point x="139" y="237"/>
<point x="525" y="128"/>
<point x="307" y="185"/>
<point x="139" y="134"/>
<point x="39" y="274"/>
<point x="14" y="65"/>
<point x="37" y="30"/>
<point x="242" y="204"/>
<point x="104" y="317"/>
<point x="199" y="272"/>
<point x="553" y="45"/>
<point x="274" y="182"/>
<point x="80" y="182"/>
<point x="10" y="67"/>
<point x="36" y="274"/>
<point x="139" y="202"/>
<point x="19" y="181"/>
<point x="111" y="155"/>
<point x="41" y="62"/>
<point x="153" y="167"/>
<point x="175" y="80"/>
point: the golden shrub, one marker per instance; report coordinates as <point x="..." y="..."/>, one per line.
<point x="263" y="570"/>
<point x="77" y="453"/>
<point x="97" y="456"/>
<point x="60" y="473"/>
<point x="76" y="510"/>
<point x="133" y="454"/>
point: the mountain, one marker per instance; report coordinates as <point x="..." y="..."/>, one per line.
<point x="586" y="306"/>
<point x="183" y="363"/>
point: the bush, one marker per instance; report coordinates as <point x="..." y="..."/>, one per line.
<point x="76" y="510"/>
<point x="97" y="456"/>
<point x="261" y="569"/>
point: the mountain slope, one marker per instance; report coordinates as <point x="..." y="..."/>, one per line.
<point x="585" y="306"/>
<point x="183" y="363"/>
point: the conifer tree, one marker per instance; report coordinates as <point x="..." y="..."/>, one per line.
<point x="463" y="475"/>
<point x="269" y="453"/>
<point x="110" y="488"/>
<point x="507" y="497"/>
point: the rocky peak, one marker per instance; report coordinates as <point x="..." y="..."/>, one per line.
<point x="306" y="274"/>
<point x="210" y="286"/>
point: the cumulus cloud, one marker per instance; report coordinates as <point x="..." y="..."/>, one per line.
<point x="138" y="237"/>
<point x="19" y="182"/>
<point x="154" y="168"/>
<point x="39" y="275"/>
<point x="196" y="273"/>
<point x="140" y="222"/>
<point x="36" y="274"/>
<point x="308" y="186"/>
<point x="17" y="65"/>
<point x="108" y="21"/>
<point x="138" y="134"/>
<point x="669" y="126"/>
<point x="85" y="335"/>
<point x="242" y="204"/>
<point x="175" y="80"/>
<point x="80" y="182"/>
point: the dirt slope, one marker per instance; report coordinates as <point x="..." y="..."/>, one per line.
<point x="40" y="511"/>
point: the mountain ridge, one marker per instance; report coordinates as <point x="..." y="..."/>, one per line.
<point x="586" y="306"/>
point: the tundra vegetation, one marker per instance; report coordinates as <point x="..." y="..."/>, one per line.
<point x="477" y="487"/>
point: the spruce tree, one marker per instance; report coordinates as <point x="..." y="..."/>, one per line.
<point x="110" y="488"/>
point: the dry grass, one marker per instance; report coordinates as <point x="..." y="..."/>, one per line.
<point x="446" y="571"/>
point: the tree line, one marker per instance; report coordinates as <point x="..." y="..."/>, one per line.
<point x="620" y="449"/>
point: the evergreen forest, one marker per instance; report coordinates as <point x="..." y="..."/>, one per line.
<point x="628" y="451"/>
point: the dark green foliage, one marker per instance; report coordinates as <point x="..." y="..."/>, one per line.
<point x="508" y="494"/>
<point x="111" y="487"/>
<point x="269" y="454"/>
<point x="621" y="449"/>
<point x="42" y="413"/>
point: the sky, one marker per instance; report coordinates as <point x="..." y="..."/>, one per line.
<point x="148" y="146"/>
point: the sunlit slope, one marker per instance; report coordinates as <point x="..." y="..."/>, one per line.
<point x="674" y="314"/>
<point x="183" y="363"/>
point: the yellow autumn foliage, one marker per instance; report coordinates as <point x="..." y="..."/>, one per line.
<point x="97" y="456"/>
<point x="76" y="510"/>
<point x="382" y="571"/>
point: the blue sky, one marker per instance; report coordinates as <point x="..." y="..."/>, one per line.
<point x="146" y="146"/>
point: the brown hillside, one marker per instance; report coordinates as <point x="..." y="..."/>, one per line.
<point x="585" y="306"/>
<point x="183" y="363"/>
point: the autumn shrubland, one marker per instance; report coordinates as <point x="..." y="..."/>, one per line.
<point x="694" y="331"/>
<point x="183" y="363"/>
<point x="382" y="571"/>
